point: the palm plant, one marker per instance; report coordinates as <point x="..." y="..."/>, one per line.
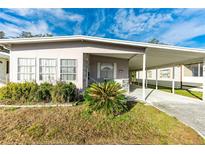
<point x="107" y="97"/>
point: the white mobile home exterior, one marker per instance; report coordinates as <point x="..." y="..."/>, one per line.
<point x="185" y="75"/>
<point x="83" y="60"/>
<point x="49" y="52"/>
<point x="43" y="62"/>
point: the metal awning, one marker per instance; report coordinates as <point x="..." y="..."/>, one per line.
<point x="156" y="58"/>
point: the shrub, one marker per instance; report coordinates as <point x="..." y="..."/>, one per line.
<point x="19" y="91"/>
<point x="29" y="90"/>
<point x="8" y="91"/>
<point x="63" y="92"/>
<point x="44" y="92"/>
<point x="107" y="97"/>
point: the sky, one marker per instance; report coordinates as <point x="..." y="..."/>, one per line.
<point x="181" y="27"/>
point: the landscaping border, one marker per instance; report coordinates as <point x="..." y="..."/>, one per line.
<point x="35" y="106"/>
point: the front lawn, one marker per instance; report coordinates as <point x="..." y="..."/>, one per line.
<point x="143" y="124"/>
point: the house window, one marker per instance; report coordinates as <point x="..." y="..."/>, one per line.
<point x="165" y="73"/>
<point x="106" y="70"/>
<point x="68" y="69"/>
<point x="47" y="69"/>
<point x="194" y="68"/>
<point x="26" y="69"/>
<point x="149" y="74"/>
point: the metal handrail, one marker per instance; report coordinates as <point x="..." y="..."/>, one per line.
<point x="92" y="79"/>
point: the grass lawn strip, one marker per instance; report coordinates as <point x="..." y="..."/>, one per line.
<point x="143" y="124"/>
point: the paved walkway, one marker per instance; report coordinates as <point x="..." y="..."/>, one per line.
<point x="188" y="110"/>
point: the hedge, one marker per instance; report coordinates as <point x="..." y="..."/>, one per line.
<point x="61" y="92"/>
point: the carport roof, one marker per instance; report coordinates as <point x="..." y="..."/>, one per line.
<point x="158" y="55"/>
<point x="158" y="58"/>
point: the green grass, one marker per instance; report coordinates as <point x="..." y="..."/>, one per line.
<point x="183" y="92"/>
<point x="143" y="124"/>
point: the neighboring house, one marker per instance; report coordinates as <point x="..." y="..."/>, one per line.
<point x="83" y="59"/>
<point x="189" y="75"/>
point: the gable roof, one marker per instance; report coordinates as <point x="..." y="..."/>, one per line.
<point x="96" y="39"/>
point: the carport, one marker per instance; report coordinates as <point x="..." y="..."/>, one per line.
<point x="158" y="56"/>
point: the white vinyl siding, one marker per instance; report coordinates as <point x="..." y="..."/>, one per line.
<point x="68" y="69"/>
<point x="47" y="69"/>
<point x="26" y="69"/>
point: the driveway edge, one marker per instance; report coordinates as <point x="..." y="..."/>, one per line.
<point x="149" y="103"/>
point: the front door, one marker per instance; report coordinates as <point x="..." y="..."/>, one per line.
<point x="107" y="71"/>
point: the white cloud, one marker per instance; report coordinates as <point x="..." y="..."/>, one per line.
<point x="61" y="14"/>
<point x="49" y="14"/>
<point x="21" y="12"/>
<point x="100" y="19"/>
<point x="188" y="12"/>
<point x="12" y="30"/>
<point x="9" y="29"/>
<point x="41" y="27"/>
<point x="44" y="20"/>
<point x="127" y="23"/>
<point x="174" y="26"/>
<point x="13" y="26"/>
<point x="183" y="31"/>
<point x="12" y="19"/>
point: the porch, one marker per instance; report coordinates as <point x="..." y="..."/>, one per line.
<point x="121" y="64"/>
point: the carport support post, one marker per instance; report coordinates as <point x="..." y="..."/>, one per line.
<point x="146" y="79"/>
<point x="143" y="76"/>
<point x="156" y="78"/>
<point x="173" y="79"/>
<point x="203" y="79"/>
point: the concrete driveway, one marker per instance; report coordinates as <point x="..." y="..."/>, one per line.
<point x="188" y="110"/>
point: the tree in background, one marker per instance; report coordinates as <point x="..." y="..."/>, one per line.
<point x="2" y="35"/>
<point x="25" y="34"/>
<point x="154" y="40"/>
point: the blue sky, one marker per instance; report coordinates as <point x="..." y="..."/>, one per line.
<point x="183" y="27"/>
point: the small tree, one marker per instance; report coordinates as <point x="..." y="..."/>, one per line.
<point x="107" y="97"/>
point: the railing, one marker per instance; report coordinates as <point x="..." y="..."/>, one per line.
<point x="91" y="80"/>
